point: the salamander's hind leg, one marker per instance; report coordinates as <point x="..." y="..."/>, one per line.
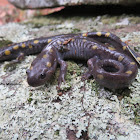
<point x="89" y="73"/>
<point x="63" y="70"/>
<point x="12" y="65"/>
<point x="18" y="59"/>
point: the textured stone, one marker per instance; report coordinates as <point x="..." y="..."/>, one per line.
<point x="33" y="4"/>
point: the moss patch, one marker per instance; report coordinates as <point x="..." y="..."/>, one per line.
<point x="8" y="67"/>
<point x="5" y="43"/>
<point x="109" y="19"/>
<point x="134" y="19"/>
<point x="40" y="21"/>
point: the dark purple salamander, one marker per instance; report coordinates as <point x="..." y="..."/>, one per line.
<point x="19" y="50"/>
<point x="110" y="68"/>
<point x="112" y="44"/>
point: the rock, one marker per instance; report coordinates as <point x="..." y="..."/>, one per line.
<point x="34" y="4"/>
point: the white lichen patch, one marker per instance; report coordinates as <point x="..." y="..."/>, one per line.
<point x="65" y="25"/>
<point x="14" y="32"/>
<point x="83" y="107"/>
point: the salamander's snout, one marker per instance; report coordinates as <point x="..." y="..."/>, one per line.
<point x="35" y="79"/>
<point x="38" y="77"/>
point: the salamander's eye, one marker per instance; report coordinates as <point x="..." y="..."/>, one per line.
<point x="27" y="71"/>
<point x="42" y="75"/>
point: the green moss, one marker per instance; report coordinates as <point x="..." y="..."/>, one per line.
<point x="134" y="20"/>
<point x="109" y="20"/>
<point x="119" y="26"/>
<point x="10" y="67"/>
<point x="53" y="29"/>
<point x="54" y="80"/>
<point x="41" y="21"/>
<point x="73" y="68"/>
<point x="57" y="132"/>
<point x="75" y="30"/>
<point x="5" y="43"/>
<point x="29" y="100"/>
<point x="137" y="48"/>
<point x="34" y="25"/>
<point x="95" y="87"/>
<point x="30" y="94"/>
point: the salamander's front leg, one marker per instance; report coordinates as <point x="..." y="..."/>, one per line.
<point x="90" y="64"/>
<point x="63" y="70"/>
<point x="19" y="58"/>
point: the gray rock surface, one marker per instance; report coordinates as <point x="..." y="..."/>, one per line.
<point x="32" y="4"/>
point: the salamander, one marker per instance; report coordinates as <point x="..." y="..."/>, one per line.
<point x="109" y="42"/>
<point x="19" y="50"/>
<point x="110" y="68"/>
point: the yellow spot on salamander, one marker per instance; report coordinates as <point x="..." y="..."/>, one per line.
<point x="100" y="76"/>
<point x="94" y="47"/>
<point x="85" y="34"/>
<point x="124" y="47"/>
<point x="36" y="41"/>
<point x="7" y="52"/>
<point x="129" y="72"/>
<point x="132" y="63"/>
<point x="49" y="40"/>
<point x="51" y="50"/>
<point x="30" y="46"/>
<point x="99" y="33"/>
<point x="138" y="58"/>
<point x="107" y="34"/>
<point x="111" y="48"/>
<point x="120" y="58"/>
<point x="44" y="56"/>
<point x="16" y="47"/>
<point x="49" y="64"/>
<point x="23" y="45"/>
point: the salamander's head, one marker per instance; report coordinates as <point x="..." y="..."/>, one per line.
<point x="42" y="68"/>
